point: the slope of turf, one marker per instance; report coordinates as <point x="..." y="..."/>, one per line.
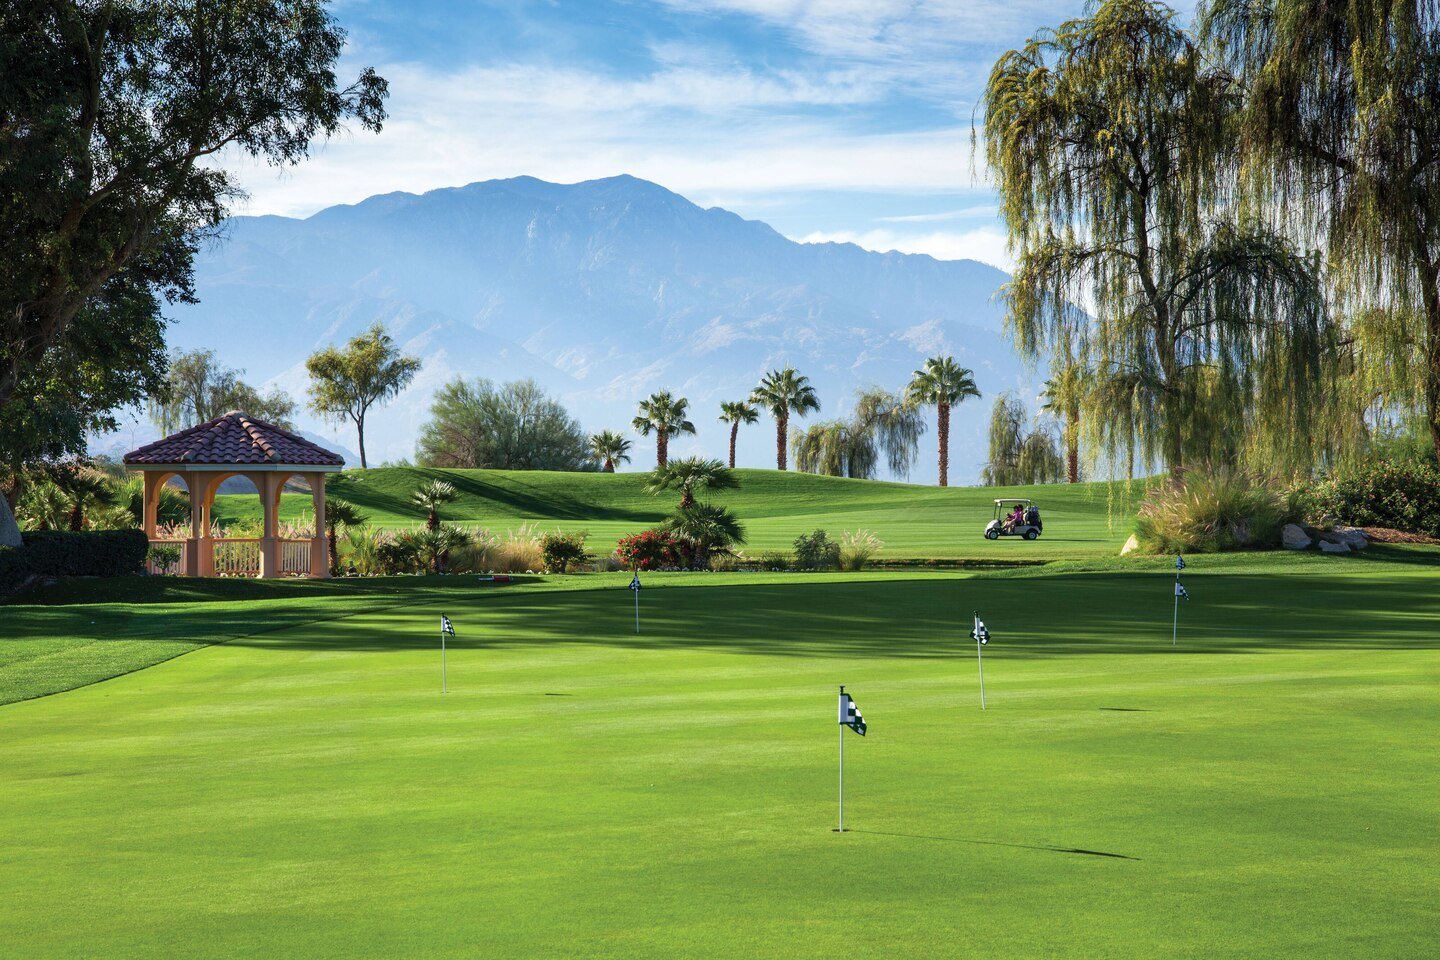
<point x="1265" y="789"/>
<point x="914" y="521"/>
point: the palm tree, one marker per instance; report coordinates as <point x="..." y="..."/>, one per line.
<point x="689" y="475"/>
<point x="736" y="412"/>
<point x="430" y="497"/>
<point x="609" y="448"/>
<point x="84" y="490"/>
<point x="664" y="415"/>
<point x="1061" y="398"/>
<point x="432" y="545"/>
<point x="784" y="392"/>
<point x="340" y="513"/>
<point x="944" y="383"/>
<point x="709" y="528"/>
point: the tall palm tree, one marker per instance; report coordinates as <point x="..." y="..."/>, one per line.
<point x="340" y="513"/>
<point x="1061" y="398"/>
<point x="784" y="392"/>
<point x="430" y="497"/>
<point x="736" y="412"/>
<point x="689" y="475"/>
<point x="609" y="448"/>
<point x="663" y="415"/>
<point x="944" y="383"/>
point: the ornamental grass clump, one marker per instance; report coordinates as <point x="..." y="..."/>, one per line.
<point x="1209" y="512"/>
<point x="857" y="548"/>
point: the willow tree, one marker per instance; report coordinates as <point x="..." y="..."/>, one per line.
<point x="1018" y="453"/>
<point x="1104" y="136"/>
<point x="885" y="428"/>
<point x="1341" y="137"/>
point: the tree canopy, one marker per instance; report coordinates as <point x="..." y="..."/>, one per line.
<point x="516" y="426"/>
<point x="346" y="382"/>
<point x="198" y="388"/>
<point x="884" y="428"/>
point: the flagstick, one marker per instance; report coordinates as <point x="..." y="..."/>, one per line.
<point x="842" y="772"/>
<point x="1175" y="618"/>
<point x="980" y="660"/>
<point x="442" y="661"/>
<point x="637" y="610"/>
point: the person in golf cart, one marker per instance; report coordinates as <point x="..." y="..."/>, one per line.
<point x="1017" y="517"/>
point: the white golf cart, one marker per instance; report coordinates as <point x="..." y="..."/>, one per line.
<point x="1004" y="524"/>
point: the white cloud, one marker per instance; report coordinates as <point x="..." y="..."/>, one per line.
<point x="986" y="244"/>
<point x="966" y="213"/>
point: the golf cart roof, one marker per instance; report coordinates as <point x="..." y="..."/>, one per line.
<point x="1011" y="500"/>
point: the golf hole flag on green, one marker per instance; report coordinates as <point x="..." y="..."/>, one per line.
<point x="981" y="636"/>
<point x="849" y="717"/>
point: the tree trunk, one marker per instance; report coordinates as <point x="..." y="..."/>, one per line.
<point x="782" y="431"/>
<point x="334" y="550"/>
<point x="734" y="432"/>
<point x="943" y="429"/>
<point x="687" y="498"/>
<point x="1072" y="449"/>
<point x="609" y="465"/>
<point x="1430" y="287"/>
<point x="360" y="431"/>
<point x="432" y="520"/>
<point x="662" y="449"/>
<point x="77" y="518"/>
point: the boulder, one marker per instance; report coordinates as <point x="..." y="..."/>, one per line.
<point x="1352" y="537"/>
<point x="1294" y="537"/>
<point x="1327" y="547"/>
<point x="1131" y="545"/>
<point x="9" y="529"/>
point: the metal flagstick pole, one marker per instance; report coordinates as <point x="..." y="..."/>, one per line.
<point x="442" y="658"/>
<point x="1175" y="618"/>
<point x="980" y="660"/>
<point x="841" y="728"/>
<point x="637" y="610"/>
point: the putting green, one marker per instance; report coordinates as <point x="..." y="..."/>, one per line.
<point x="1265" y="789"/>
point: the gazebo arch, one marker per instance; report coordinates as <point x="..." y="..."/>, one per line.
<point x="236" y="444"/>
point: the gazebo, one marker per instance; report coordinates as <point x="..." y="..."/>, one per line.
<point x="236" y="444"/>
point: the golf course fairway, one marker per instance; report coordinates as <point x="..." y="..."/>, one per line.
<point x="1265" y="788"/>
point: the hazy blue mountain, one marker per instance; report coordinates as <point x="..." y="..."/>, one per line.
<point x="603" y="291"/>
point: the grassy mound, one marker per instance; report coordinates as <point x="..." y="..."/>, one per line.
<point x="914" y="521"/>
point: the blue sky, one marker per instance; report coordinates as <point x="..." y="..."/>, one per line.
<point x="828" y="119"/>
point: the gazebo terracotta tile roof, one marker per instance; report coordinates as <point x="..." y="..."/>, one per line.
<point x="238" y="439"/>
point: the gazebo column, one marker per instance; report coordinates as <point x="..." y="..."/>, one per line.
<point x="153" y="483"/>
<point x="269" y="485"/>
<point x="193" y="564"/>
<point x="209" y="486"/>
<point x="320" y="545"/>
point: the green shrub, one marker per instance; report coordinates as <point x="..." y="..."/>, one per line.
<point x="1403" y="494"/>
<point x="776" y="560"/>
<point x="56" y="553"/>
<point x="816" y="551"/>
<point x="1210" y="512"/>
<point x="164" y="557"/>
<point x="559" y="550"/>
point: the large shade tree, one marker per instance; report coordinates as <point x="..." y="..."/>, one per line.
<point x="1105" y="136"/>
<point x="783" y="392"/>
<point x="198" y="388"/>
<point x="1341" y="145"/>
<point x="943" y="383"/>
<point x="663" y="415"/>
<point x="114" y="119"/>
<point x="513" y="426"/>
<point x="345" y="382"/>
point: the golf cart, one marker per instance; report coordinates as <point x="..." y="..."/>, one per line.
<point x="1005" y="525"/>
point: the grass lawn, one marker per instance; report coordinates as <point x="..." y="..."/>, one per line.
<point x="1265" y="789"/>
<point x="1085" y="520"/>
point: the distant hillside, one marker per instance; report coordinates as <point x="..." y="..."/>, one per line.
<point x="603" y="291"/>
<point x="914" y="521"/>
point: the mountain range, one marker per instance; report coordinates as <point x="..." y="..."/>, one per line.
<point x="603" y="292"/>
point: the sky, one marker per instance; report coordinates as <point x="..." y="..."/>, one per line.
<point x="844" y="120"/>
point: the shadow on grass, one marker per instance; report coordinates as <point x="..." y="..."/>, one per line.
<point x="998" y="843"/>
<point x="1038" y="617"/>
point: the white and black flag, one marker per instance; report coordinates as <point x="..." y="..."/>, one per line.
<point x="980" y="634"/>
<point x="850" y="714"/>
<point x="635" y="582"/>
<point x="1179" y="562"/>
<point x="1180" y="591"/>
<point x="446" y="626"/>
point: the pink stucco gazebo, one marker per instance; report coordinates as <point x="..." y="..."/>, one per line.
<point x="236" y="444"/>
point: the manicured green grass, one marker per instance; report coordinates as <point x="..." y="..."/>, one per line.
<point x="914" y="521"/>
<point x="1265" y="789"/>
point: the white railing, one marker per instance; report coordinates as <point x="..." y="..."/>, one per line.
<point x="236" y="557"/>
<point x="295" y="558"/>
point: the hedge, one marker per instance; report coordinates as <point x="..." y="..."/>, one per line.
<point x="1403" y="494"/>
<point x="57" y="553"/>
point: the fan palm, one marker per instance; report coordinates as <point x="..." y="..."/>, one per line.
<point x="433" y="544"/>
<point x="663" y="415"/>
<point x="784" y="392"/>
<point x="340" y="513"/>
<point x="944" y="383"/>
<point x="709" y="528"/>
<point x="736" y="412"/>
<point x="609" y="448"/>
<point x="689" y="475"/>
<point x="430" y="497"/>
<point x="1061" y="398"/>
<point x="84" y="490"/>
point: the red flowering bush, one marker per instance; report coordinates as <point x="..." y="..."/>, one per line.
<point x="652" y="550"/>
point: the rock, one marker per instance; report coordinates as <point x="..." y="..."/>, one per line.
<point x="9" y="529"/>
<point x="1352" y="537"/>
<point x="1294" y="537"/>
<point x="1327" y="547"/>
<point x="1131" y="545"/>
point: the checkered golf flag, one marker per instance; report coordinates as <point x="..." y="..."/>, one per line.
<point x="635" y="583"/>
<point x="1179" y="562"/>
<point x="850" y="714"/>
<point x="446" y="626"/>
<point x="1180" y="591"/>
<point x="979" y="634"/>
